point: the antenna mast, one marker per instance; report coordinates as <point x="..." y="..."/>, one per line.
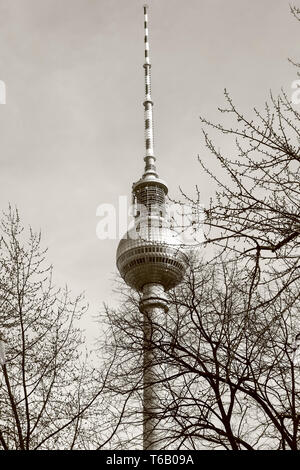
<point x="148" y="104"/>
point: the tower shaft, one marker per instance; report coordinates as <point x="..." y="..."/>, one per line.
<point x="153" y="305"/>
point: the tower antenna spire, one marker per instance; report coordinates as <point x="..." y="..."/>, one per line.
<point x="149" y="159"/>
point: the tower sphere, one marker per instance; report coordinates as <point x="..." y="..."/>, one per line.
<point x="151" y="255"/>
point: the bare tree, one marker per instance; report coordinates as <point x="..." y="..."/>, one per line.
<point x="51" y="395"/>
<point x="225" y="374"/>
<point x="254" y="215"/>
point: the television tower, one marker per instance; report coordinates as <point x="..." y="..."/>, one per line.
<point x="150" y="258"/>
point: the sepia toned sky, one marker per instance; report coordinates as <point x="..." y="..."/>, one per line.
<point x="71" y="131"/>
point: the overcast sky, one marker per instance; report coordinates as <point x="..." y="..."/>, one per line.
<point x="72" y="130"/>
